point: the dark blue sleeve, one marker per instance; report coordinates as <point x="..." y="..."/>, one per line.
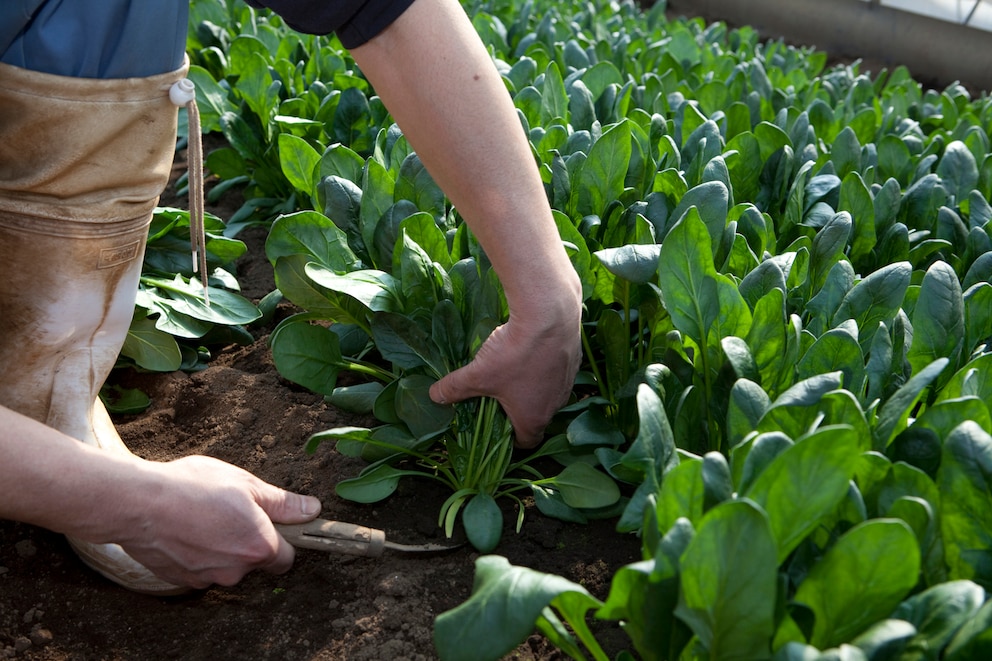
<point x="354" y="21"/>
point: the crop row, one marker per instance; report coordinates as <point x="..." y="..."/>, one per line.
<point x="787" y="283"/>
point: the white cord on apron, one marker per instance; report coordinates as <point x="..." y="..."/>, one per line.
<point x="183" y="93"/>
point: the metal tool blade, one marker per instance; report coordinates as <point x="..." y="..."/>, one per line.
<point x="351" y="539"/>
<point x="423" y="548"/>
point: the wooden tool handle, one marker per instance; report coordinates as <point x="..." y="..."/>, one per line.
<point x="335" y="537"/>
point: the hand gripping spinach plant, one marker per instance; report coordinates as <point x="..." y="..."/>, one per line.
<point x="425" y="307"/>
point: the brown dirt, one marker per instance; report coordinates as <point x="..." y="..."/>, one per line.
<point x="239" y="409"/>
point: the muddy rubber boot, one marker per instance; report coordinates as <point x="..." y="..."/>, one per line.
<point x="82" y="165"/>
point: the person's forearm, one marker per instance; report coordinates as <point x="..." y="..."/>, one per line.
<point x="53" y="481"/>
<point x="193" y="521"/>
<point x="436" y="78"/>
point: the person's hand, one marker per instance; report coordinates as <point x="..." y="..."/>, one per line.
<point x="210" y="522"/>
<point x="530" y="371"/>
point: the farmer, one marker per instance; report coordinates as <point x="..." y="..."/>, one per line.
<point x="87" y="138"/>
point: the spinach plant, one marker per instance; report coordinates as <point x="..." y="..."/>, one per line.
<point x="806" y="263"/>
<point x="256" y="80"/>
<point x="173" y="328"/>
<point x="786" y="553"/>
<point x="406" y="328"/>
<point x="786" y="272"/>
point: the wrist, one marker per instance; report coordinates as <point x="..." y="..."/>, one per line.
<point x="547" y="301"/>
<point x="118" y="500"/>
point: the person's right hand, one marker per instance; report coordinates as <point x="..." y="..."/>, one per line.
<point x="528" y="364"/>
<point x="210" y="522"/>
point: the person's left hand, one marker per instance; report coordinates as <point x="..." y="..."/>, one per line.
<point x="212" y="522"/>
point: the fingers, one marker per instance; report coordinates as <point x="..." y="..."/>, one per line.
<point x="527" y="436"/>
<point x="455" y="386"/>
<point x="529" y="418"/>
<point x="283" y="506"/>
<point x="530" y="376"/>
<point x="232" y="533"/>
<point x="283" y="560"/>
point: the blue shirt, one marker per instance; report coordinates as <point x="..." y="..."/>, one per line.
<point x="94" y="38"/>
<point x="137" y="38"/>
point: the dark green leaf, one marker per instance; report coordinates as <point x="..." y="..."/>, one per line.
<point x="150" y="347"/>
<point x="483" y="522"/>
<point x="356" y="399"/>
<point x="938" y="613"/>
<point x="308" y="355"/>
<point x="370" y="487"/>
<point x="506" y="603"/>
<point x="416" y="408"/>
<point x="875" y="299"/>
<point x="896" y="411"/>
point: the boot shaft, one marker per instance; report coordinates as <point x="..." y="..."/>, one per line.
<point x="88" y="150"/>
<point x="82" y="164"/>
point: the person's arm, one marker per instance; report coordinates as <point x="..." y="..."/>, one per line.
<point x="194" y="521"/>
<point x="439" y="83"/>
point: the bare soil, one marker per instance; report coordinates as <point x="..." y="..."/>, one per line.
<point x="239" y="409"/>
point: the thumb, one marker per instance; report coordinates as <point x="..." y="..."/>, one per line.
<point x="457" y="386"/>
<point x="285" y="506"/>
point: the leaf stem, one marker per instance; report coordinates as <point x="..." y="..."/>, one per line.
<point x="591" y="360"/>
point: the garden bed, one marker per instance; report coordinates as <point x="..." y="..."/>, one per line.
<point x="53" y="608"/>
<point x="824" y="412"/>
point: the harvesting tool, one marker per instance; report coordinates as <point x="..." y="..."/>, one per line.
<point x="350" y="539"/>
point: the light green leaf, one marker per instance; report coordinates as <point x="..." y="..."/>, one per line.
<point x="633" y="262"/>
<point x="965" y="482"/>
<point x="584" y="487"/>
<point x="299" y="160"/>
<point x="312" y="234"/>
<point x="804" y="483"/>
<point x="958" y="170"/>
<point x="681" y="494"/>
<point x="704" y="305"/>
<point x="856" y="583"/>
<point x="938" y="318"/>
<point x="601" y="178"/>
<point x="151" y="348"/>
<point x="729" y="582"/>
<point x="375" y="290"/>
<point x="835" y="350"/>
